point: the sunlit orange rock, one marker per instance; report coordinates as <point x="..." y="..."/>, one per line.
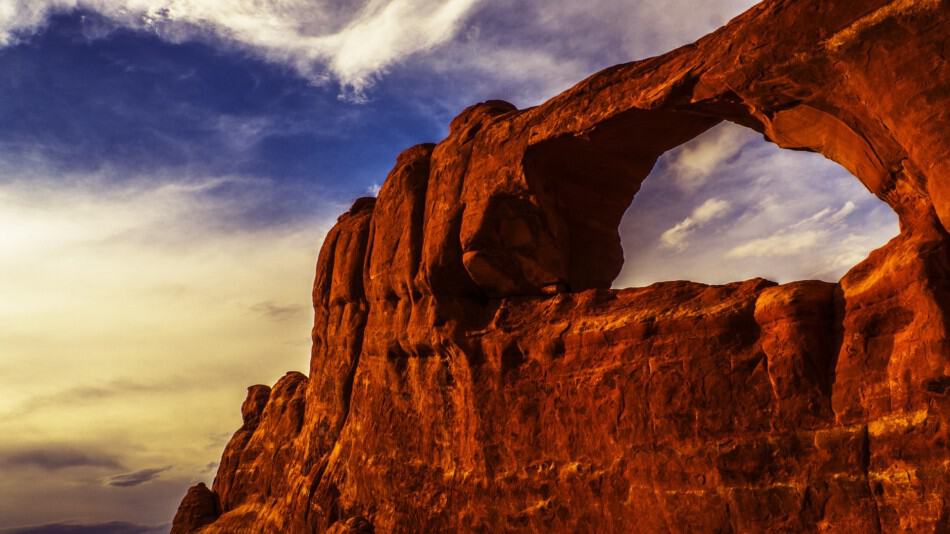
<point x="472" y="370"/>
<point x="198" y="508"/>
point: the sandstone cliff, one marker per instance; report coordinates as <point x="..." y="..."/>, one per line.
<point x="472" y="370"/>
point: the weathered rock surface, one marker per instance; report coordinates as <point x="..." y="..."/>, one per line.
<point x="472" y="370"/>
<point x="197" y="509"/>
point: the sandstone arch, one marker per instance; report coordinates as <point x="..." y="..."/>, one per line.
<point x="620" y="120"/>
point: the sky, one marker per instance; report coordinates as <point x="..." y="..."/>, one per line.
<point x="168" y="169"/>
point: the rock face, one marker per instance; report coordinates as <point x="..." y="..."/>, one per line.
<point x="472" y="370"/>
<point x="197" y="509"/>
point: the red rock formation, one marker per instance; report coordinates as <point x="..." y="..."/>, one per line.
<point x="472" y="370"/>
<point x="197" y="509"/>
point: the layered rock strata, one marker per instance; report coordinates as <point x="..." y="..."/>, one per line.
<point x="472" y="370"/>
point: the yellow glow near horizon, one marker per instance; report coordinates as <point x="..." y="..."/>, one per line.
<point x="132" y="321"/>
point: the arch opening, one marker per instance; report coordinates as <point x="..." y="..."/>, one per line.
<point x="658" y="195"/>
<point x="729" y="205"/>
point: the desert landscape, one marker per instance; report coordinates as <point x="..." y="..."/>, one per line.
<point x="474" y="266"/>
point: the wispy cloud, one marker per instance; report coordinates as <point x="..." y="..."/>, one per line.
<point x="52" y="457"/>
<point x="825" y="237"/>
<point x="828" y="215"/>
<point x="526" y="51"/>
<point x="320" y="38"/>
<point x="277" y="312"/>
<point x="136" y="478"/>
<point x="530" y="49"/>
<point x="109" y="390"/>
<point x="796" y="238"/>
<point x="706" y="212"/>
<point x="114" y="527"/>
<point x="696" y="162"/>
<point x="780" y="244"/>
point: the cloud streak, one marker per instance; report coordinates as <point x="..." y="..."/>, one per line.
<point x="825" y="237"/>
<point x="114" y="527"/>
<point x="277" y="312"/>
<point x="118" y="388"/>
<point x="779" y="245"/>
<point x="136" y="478"/>
<point x="712" y="209"/>
<point x="526" y="49"/>
<point x="352" y="42"/>
<point x="797" y="238"/>
<point x="56" y="457"/>
<point x="695" y="163"/>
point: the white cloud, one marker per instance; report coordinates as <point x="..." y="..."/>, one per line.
<point x="387" y="31"/>
<point x="353" y="42"/>
<point x="842" y="214"/>
<point x="851" y="250"/>
<point x="778" y="245"/>
<point x="551" y="46"/>
<point x="818" y="216"/>
<point x="710" y="210"/>
<point x="803" y="236"/>
<point x="525" y="75"/>
<point x="527" y="51"/>
<point x="675" y="237"/>
<point x="697" y="161"/>
<point x="823" y="215"/>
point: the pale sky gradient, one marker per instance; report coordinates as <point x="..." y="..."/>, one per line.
<point x="168" y="169"/>
<point x="132" y="320"/>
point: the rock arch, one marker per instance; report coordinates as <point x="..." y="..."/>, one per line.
<point x="583" y="182"/>
<point x="566" y="170"/>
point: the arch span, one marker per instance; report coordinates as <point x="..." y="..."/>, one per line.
<point x="544" y="189"/>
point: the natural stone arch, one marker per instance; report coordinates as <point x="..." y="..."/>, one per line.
<point x="587" y="182"/>
<point x="525" y="227"/>
<point x="555" y="227"/>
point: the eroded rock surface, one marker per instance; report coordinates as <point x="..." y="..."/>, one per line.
<point x="472" y="370"/>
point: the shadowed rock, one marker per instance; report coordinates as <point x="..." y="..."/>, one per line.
<point x="197" y="509"/>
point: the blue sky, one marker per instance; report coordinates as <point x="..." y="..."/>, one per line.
<point x="168" y="169"/>
<point x="126" y="103"/>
